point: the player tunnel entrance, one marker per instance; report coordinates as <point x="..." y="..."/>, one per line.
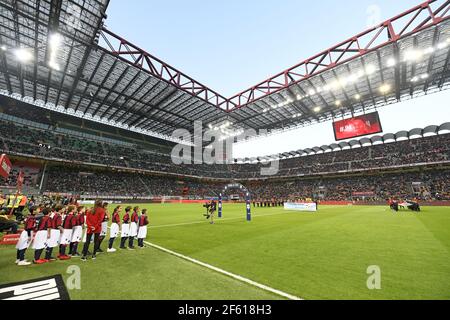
<point x="232" y="190"/>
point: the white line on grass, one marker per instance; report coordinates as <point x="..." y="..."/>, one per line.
<point x="217" y="219"/>
<point x="229" y="274"/>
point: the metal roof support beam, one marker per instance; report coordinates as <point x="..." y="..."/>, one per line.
<point x="110" y="70"/>
<point x="122" y="75"/>
<point x="122" y="94"/>
<point x="136" y="91"/>
<point x="431" y="61"/>
<point x="99" y="62"/>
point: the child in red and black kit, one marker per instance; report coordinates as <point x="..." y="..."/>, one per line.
<point x="134" y="221"/>
<point x="115" y="227"/>
<point x="77" y="233"/>
<point x="66" y="236"/>
<point x="142" y="231"/>
<point x="25" y="238"/>
<point x="55" y="233"/>
<point x="43" y="230"/>
<point x="125" y="232"/>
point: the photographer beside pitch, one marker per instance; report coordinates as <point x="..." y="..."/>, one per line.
<point x="211" y="208"/>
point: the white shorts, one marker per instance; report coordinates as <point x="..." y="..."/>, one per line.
<point x="77" y="234"/>
<point x="125" y="230"/>
<point x="55" y="235"/>
<point x="40" y="240"/>
<point x="84" y="234"/>
<point x="133" y="229"/>
<point x="114" y="232"/>
<point x="24" y="241"/>
<point x="66" y="237"/>
<point x="142" y="234"/>
<point x="104" y="229"/>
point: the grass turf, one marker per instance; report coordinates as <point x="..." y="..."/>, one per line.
<point x="313" y="256"/>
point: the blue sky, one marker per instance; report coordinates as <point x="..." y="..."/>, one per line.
<point x="231" y="45"/>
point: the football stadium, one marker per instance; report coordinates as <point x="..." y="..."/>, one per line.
<point x="121" y="176"/>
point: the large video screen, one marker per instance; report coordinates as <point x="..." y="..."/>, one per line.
<point x="357" y="127"/>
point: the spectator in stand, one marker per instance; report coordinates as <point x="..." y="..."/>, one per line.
<point x="7" y="224"/>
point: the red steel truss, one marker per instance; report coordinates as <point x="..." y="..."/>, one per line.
<point x="139" y="58"/>
<point x="416" y="19"/>
<point x="412" y="21"/>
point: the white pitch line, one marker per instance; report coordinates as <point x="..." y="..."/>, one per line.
<point x="217" y="219"/>
<point x="229" y="274"/>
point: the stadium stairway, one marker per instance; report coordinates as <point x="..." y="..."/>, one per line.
<point x="144" y="184"/>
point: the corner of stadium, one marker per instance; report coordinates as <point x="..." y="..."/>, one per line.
<point x="118" y="180"/>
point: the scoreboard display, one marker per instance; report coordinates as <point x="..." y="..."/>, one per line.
<point x="357" y="127"/>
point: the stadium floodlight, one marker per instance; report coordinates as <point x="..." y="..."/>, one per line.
<point x="338" y="103"/>
<point x="23" y="55"/>
<point x="391" y="62"/>
<point x="413" y="55"/>
<point x="370" y="69"/>
<point x="357" y="96"/>
<point x="414" y="79"/>
<point x="54" y="65"/>
<point x="317" y="109"/>
<point x="353" y="78"/>
<point x="424" y="76"/>
<point x="429" y="50"/>
<point x="312" y="92"/>
<point x="343" y="82"/>
<point x="55" y="40"/>
<point x="4" y="48"/>
<point x="385" y="88"/>
<point x="442" y="45"/>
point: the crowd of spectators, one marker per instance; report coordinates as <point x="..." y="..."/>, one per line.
<point x="432" y="185"/>
<point x="18" y="139"/>
<point x="109" y="183"/>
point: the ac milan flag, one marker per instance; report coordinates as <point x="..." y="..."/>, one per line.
<point x="5" y="166"/>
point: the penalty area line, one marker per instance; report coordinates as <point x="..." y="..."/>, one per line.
<point x="229" y="274"/>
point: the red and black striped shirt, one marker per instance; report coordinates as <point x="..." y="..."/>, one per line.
<point x="68" y="222"/>
<point x="116" y="218"/>
<point x="143" y="221"/>
<point x="80" y="219"/>
<point x="56" y="221"/>
<point x="30" y="224"/>
<point x="44" y="224"/>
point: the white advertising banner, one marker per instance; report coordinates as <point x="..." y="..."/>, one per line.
<point x="306" y="207"/>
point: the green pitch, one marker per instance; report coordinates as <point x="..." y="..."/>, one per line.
<point x="312" y="256"/>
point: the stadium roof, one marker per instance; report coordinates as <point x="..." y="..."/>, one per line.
<point x="364" y="142"/>
<point x="58" y="55"/>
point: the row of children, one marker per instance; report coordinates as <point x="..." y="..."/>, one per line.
<point x="64" y="226"/>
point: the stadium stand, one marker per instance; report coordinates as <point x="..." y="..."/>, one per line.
<point x="380" y="186"/>
<point x="53" y="145"/>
